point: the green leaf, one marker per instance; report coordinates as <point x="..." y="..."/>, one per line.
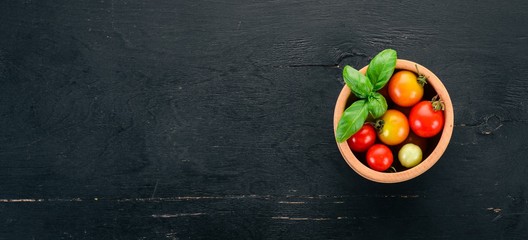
<point x="357" y="82"/>
<point x="381" y="68"/>
<point x="377" y="105"/>
<point x="352" y="120"/>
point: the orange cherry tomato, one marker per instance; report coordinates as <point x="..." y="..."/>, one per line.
<point x="404" y="88"/>
<point x="394" y="129"/>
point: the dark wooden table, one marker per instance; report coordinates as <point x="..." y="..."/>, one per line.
<point x="213" y="119"/>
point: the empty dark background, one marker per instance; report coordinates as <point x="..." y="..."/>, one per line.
<point x="213" y="119"/>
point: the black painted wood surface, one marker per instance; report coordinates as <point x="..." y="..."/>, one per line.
<point x="213" y="119"/>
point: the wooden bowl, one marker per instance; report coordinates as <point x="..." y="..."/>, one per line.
<point x="434" y="155"/>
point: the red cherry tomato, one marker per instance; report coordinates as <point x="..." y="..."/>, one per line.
<point x="362" y="139"/>
<point x="405" y="89"/>
<point x="379" y="157"/>
<point x="415" y="139"/>
<point x="425" y="121"/>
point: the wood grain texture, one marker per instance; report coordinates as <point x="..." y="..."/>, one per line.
<point x="213" y="119"/>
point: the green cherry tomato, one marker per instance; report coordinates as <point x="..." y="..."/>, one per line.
<point x="410" y="155"/>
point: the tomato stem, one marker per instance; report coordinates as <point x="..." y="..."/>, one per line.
<point x="378" y="125"/>
<point x="437" y="103"/>
<point x="422" y="80"/>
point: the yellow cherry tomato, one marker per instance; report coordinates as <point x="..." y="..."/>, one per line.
<point x="393" y="127"/>
<point x="405" y="89"/>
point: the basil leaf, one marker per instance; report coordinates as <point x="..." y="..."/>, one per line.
<point x="352" y="120"/>
<point x="357" y="82"/>
<point x="381" y="68"/>
<point x="377" y="105"/>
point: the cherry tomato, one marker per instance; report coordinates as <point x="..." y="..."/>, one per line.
<point x="416" y="140"/>
<point x="426" y="121"/>
<point x="395" y="127"/>
<point x="379" y="157"/>
<point x="362" y="139"/>
<point x="410" y="155"/>
<point x="404" y="88"/>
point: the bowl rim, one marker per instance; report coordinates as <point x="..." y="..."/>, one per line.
<point x="426" y="164"/>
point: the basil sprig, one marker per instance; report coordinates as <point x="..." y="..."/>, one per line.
<point x="365" y="88"/>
